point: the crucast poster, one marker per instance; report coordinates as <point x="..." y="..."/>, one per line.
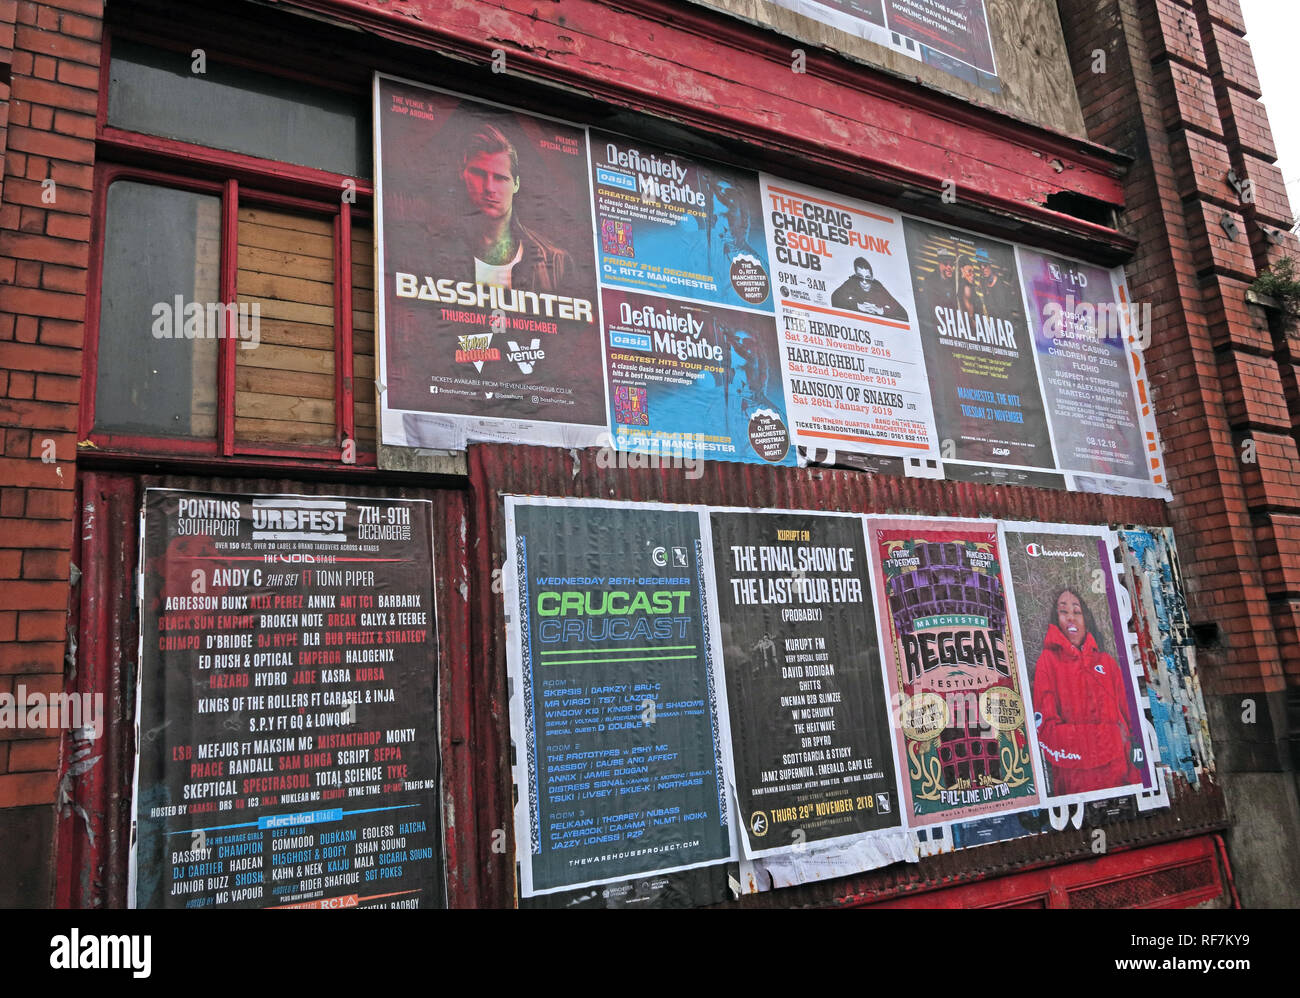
<point x="489" y="327"/>
<point x="287" y="705"/>
<point x="672" y="225"/>
<point x="978" y="352"/>
<point x="1083" y="695"/>
<point x="694" y="381"/>
<point x="856" y="380"/>
<point x="961" y="729"/>
<point x="1087" y="377"/>
<point x="959" y="29"/>
<point x="614" y="713"/>
<point x="809" y="721"/>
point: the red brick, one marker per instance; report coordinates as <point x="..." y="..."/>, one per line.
<point x="45" y="565"/>
<point x="39" y="754"/>
<point x="11" y="562"/>
<point x="58" y="46"/>
<point x="30" y="301"/>
<point x="52" y="388"/>
<point x="42" y="625"/>
<point x="30" y="656"/>
<point x="34" y="357"/>
<point x="49" y="504"/>
<point x="8" y="626"/>
<point x="27" y="789"/>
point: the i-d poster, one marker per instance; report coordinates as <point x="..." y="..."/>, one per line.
<point x="961" y="726"/>
<point x="287" y="707"/>
<point x="1080" y="337"/>
<point x="809" y="720"/>
<point x="614" y="711"/>
<point x="489" y="328"/>
<point x="1084" y="698"/>
<point x="979" y="353"/>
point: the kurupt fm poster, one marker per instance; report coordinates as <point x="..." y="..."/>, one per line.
<point x="614" y="713"/>
<point x="978" y="350"/>
<point x="489" y="323"/>
<point x="694" y="381"/>
<point x="1080" y="337"/>
<point x="961" y="724"/>
<point x="809" y="721"/>
<point x="669" y="224"/>
<point x="1084" y="697"/>
<point x="287" y="707"/>
<point x="857" y="381"/>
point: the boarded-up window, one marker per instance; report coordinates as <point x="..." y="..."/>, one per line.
<point x="285" y="386"/>
<point x="363" y="336"/>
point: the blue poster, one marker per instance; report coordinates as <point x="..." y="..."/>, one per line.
<point x="667" y="224"/>
<point x="694" y="381"/>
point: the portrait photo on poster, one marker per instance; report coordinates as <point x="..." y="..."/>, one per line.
<point x="1084" y="697"/>
<point x="488" y="318"/>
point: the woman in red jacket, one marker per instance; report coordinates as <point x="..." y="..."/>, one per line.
<point x="1081" y="705"/>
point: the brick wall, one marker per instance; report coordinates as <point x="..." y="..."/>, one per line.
<point x="45" y="207"/>
<point x="1180" y="94"/>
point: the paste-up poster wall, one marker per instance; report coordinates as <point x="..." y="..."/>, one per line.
<point x="795" y="695"/>
<point x="287" y="705"/>
<point x="545" y="283"/>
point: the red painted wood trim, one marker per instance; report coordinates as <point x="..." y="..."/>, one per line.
<point x="839" y="116"/>
<point x="343" y="303"/>
<point x="229" y="293"/>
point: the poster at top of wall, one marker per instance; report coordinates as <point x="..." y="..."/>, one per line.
<point x="958" y="29"/>
<point x="856" y="380"/>
<point x="978" y="352"/>
<point x="672" y="225"/>
<point x="689" y="380"/>
<point x="962" y="733"/>
<point x="287" y="704"/>
<point x="488" y="319"/>
<point x="614" y="713"/>
<point x="1083" y="694"/>
<point x="1086" y="375"/>
<point x="809" y="722"/>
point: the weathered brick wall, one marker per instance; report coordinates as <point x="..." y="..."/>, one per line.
<point x="44" y="252"/>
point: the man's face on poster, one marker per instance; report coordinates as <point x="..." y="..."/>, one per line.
<point x="489" y="183"/>
<point x="865" y="277"/>
<point x="946" y="269"/>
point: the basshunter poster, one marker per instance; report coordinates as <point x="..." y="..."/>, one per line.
<point x="979" y="354"/>
<point x="809" y="722"/>
<point x="856" y="371"/>
<point x="1086" y="372"/>
<point x="961" y="728"/>
<point x="1083" y="694"/>
<point x="489" y="323"/>
<point x="287" y="705"/>
<point x="672" y="225"/>
<point x="694" y="381"/>
<point x="614" y="712"/>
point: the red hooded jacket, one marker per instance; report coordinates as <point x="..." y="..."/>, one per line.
<point x="1081" y="710"/>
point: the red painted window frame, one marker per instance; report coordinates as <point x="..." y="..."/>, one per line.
<point x="237" y="179"/>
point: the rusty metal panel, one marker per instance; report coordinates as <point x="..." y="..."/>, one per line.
<point x="95" y="797"/>
<point x="497" y="470"/>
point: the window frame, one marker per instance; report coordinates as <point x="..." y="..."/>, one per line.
<point x="239" y="180"/>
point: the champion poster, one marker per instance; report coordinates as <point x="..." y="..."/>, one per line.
<point x="856" y="371"/>
<point x="978" y="351"/>
<point x="962" y="731"/>
<point x="1080" y="335"/>
<point x="694" y="381"/>
<point x="287" y="704"/>
<point x="489" y="323"/>
<point x="1084" y="696"/>
<point x="809" y="721"/>
<point x="614" y="712"/>
<point x="669" y="224"/>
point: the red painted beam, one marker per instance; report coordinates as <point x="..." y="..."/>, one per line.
<point x="726" y="78"/>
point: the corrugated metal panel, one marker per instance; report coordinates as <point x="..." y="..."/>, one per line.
<point x="95" y="822"/>
<point x="499" y="470"/>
